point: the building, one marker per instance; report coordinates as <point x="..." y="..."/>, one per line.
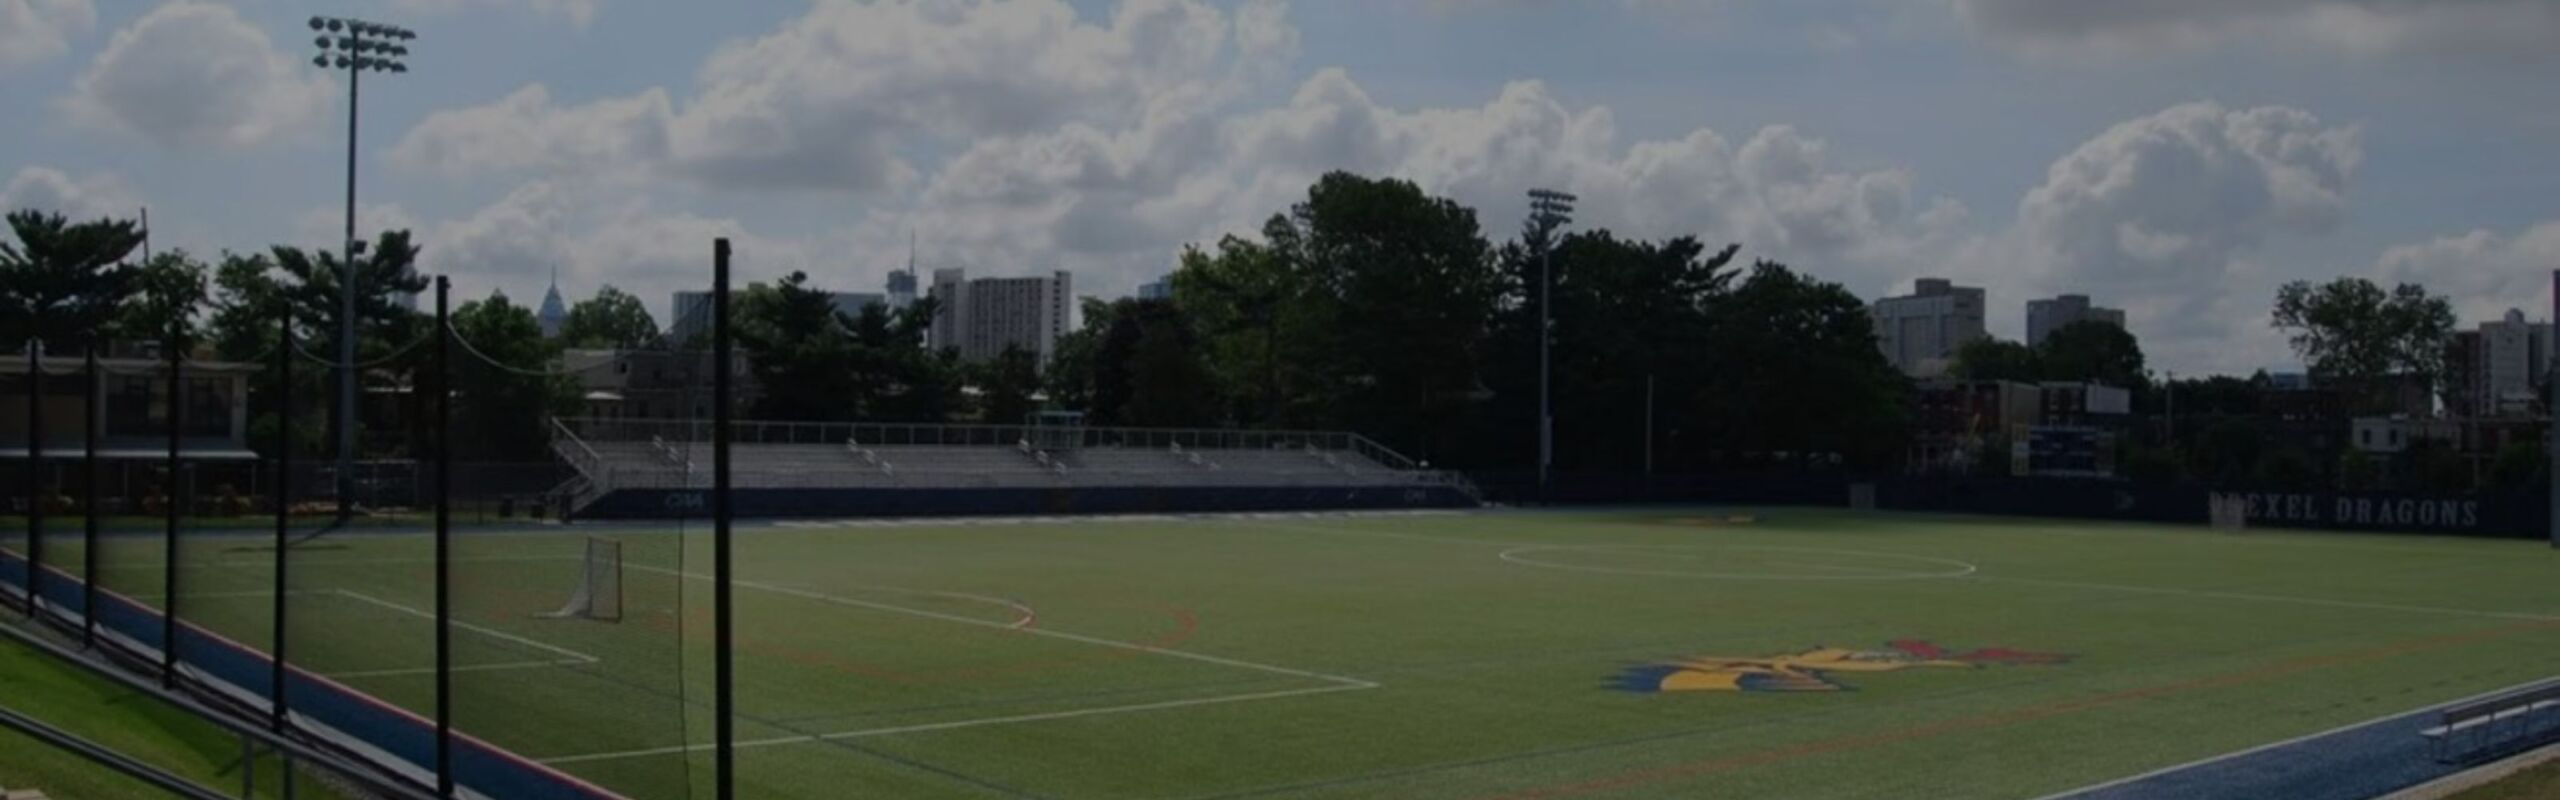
<point x="982" y="317"/>
<point x="851" y="304"/>
<point x="554" y="313"/>
<point x="2394" y="434"/>
<point x="2086" y="405"/>
<point x="2046" y="316"/>
<point x="654" y="384"/>
<point x="902" y="288"/>
<point x="1921" y="332"/>
<point x="1160" y="289"/>
<point x="2509" y="359"/>
<point x="689" y="317"/>
<point x="1955" y="423"/>
<point x="692" y="314"/>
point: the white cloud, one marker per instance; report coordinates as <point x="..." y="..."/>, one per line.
<point x="83" y="198"/>
<point x="36" y="30"/>
<point x="2513" y="29"/>
<point x="619" y="133"/>
<point x="579" y="13"/>
<point x="834" y="99"/>
<point x="193" y="74"/>
<point x="2174" y="197"/>
<point x="2484" y="272"/>
<point x="2164" y="215"/>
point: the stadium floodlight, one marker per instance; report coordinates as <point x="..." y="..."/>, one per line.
<point x="1549" y="211"/>
<point x="356" y="46"/>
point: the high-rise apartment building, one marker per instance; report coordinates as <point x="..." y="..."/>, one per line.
<point x="2046" y="316"/>
<point x="1921" y="331"/>
<point x="983" y="316"/>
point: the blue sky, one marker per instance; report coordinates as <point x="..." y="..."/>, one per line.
<point x="2174" y="157"/>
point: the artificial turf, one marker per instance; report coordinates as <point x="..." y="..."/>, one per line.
<point x="1434" y="656"/>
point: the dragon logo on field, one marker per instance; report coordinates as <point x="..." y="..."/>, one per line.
<point x="1815" y="670"/>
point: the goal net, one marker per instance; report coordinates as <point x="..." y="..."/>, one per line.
<point x="2229" y="512"/>
<point x="1862" y="497"/>
<point x="599" y="592"/>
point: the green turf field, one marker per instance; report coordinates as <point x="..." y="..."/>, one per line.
<point x="1428" y="656"/>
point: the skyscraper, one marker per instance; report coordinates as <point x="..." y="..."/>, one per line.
<point x="554" y="313"/>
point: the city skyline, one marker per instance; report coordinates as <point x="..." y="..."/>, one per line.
<point x="1865" y="142"/>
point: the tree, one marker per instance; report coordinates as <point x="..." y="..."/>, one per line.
<point x="64" y="282"/>
<point x="1148" y="370"/>
<point x="502" y="391"/>
<point x="611" y="319"/>
<point x="1006" y="385"/>
<point x="2092" y="352"/>
<point x="1990" y="359"/>
<point x="1395" y="288"/>
<point x="1245" y="302"/>
<point x="2521" y="465"/>
<point x="801" y="355"/>
<point x="2352" y="332"/>
<point x="1069" y="375"/>
<point x="252" y="291"/>
<point x="167" y="291"/>
<point x="1800" y="372"/>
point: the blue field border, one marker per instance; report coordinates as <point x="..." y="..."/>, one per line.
<point x="2359" y="762"/>
<point x="383" y="732"/>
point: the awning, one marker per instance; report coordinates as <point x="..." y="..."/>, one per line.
<point x="58" y="454"/>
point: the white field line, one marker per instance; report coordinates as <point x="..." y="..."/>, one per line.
<point x="1007" y="626"/>
<point x="573" y="655"/>
<point x="2100" y="787"/>
<point x="968" y="723"/>
<point x="2273" y="598"/>
<point x="395" y="672"/>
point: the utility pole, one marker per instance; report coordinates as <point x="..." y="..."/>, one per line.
<point x="353" y="45"/>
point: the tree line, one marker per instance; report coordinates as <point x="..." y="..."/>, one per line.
<point x="1370" y="305"/>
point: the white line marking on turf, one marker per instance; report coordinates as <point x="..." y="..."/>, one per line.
<point x="1053" y="634"/>
<point x="1950" y="568"/>
<point x="967" y="723"/>
<point x="2100" y="787"/>
<point x="2274" y="598"/>
<point x="574" y="655"/>
<point x="401" y="671"/>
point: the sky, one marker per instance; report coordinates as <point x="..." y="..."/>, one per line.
<point x="2176" y="158"/>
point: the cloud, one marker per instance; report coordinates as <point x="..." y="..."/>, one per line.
<point x="1115" y="204"/>
<point x="36" y="30"/>
<point x="2164" y="215"/>
<point x="614" y="134"/>
<point x="191" y="75"/>
<point x="2511" y="29"/>
<point x="578" y="13"/>
<point x="83" y="198"/>
<point x="835" y="99"/>
<point x="2484" y="272"/>
<point x="2174" y="197"/>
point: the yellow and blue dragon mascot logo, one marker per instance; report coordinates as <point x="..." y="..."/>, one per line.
<point x="1812" y="670"/>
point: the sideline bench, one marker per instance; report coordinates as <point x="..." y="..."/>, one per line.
<point x="2495" y="725"/>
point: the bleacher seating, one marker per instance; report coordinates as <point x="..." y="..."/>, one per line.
<point x="667" y="464"/>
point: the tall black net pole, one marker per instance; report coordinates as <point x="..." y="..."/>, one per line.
<point x="443" y="384"/>
<point x="92" y="398"/>
<point x="724" y="696"/>
<point x="36" y="495"/>
<point x="284" y="513"/>
<point x="175" y="497"/>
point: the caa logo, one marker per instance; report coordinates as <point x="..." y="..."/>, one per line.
<point x="1814" y="670"/>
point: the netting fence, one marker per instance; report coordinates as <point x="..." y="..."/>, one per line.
<point x="366" y="556"/>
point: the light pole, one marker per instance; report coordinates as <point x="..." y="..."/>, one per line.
<point x="353" y="45"/>
<point x="1549" y="211"/>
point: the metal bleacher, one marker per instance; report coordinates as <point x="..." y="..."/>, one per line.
<point x="611" y="455"/>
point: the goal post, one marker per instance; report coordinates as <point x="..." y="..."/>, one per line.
<point x="598" y="595"/>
